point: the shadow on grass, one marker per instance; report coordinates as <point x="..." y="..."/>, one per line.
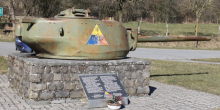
<point x="177" y="74"/>
<point x="150" y="32"/>
<point x="199" y="34"/>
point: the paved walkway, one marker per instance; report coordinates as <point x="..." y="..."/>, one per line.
<point x="175" y="54"/>
<point x="163" y="97"/>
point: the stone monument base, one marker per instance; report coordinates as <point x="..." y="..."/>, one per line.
<point x="41" y="81"/>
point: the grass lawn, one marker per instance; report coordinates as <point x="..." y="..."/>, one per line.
<point x="159" y="29"/>
<point x="5" y="37"/>
<point x="3" y="65"/>
<point x="208" y="60"/>
<point x="201" y="77"/>
<point x="155" y="29"/>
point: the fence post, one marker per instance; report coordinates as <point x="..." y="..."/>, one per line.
<point x="167" y="33"/>
<point x="139" y="26"/>
<point x="219" y="31"/>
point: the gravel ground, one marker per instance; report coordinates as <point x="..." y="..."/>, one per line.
<point x="162" y="97"/>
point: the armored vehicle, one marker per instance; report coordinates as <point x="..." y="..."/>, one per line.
<point x="74" y="34"/>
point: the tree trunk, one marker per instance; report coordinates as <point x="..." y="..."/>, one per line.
<point x="153" y="18"/>
<point x="120" y="16"/>
<point x="120" y="10"/>
<point x="12" y="14"/>
<point x="139" y="26"/>
<point x="196" y="31"/>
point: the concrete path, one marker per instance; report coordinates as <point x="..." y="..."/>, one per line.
<point x="6" y="48"/>
<point x="162" y="97"/>
<point x="151" y="53"/>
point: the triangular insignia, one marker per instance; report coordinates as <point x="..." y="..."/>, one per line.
<point x="96" y="37"/>
<point x="107" y="94"/>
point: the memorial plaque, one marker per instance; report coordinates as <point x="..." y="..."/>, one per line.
<point x="95" y="86"/>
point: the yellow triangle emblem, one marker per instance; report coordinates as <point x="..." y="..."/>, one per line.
<point x="97" y="37"/>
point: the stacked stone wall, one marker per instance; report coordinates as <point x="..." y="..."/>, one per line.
<point x="40" y="79"/>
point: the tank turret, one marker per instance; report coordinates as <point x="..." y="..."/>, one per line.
<point x="74" y="34"/>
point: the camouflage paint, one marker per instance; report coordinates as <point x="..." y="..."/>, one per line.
<point x="73" y="34"/>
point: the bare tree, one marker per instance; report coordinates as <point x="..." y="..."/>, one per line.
<point x="11" y="8"/>
<point x="198" y="6"/>
<point x="29" y="7"/>
<point x="216" y="9"/>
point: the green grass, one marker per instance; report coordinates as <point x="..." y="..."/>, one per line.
<point x="5" y="37"/>
<point x="201" y="77"/>
<point x="159" y="29"/>
<point x="151" y="29"/>
<point x="3" y="65"/>
<point x="208" y="60"/>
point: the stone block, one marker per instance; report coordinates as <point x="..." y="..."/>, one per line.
<point x="128" y="83"/>
<point x="62" y="94"/>
<point x="76" y="94"/>
<point x="119" y="68"/>
<point x="47" y="77"/>
<point x="52" y="86"/>
<point x="139" y="82"/>
<point x="127" y="74"/>
<point x="73" y="69"/>
<point x="37" y="87"/>
<point x="139" y="67"/>
<point x="33" y="95"/>
<point x="133" y="67"/>
<point x="21" y="65"/>
<point x="55" y="69"/>
<point x="146" y="75"/>
<point x="74" y="77"/>
<point x="146" y="68"/>
<point x="46" y="95"/>
<point x="126" y="68"/>
<point x="121" y="76"/>
<point x="25" y="75"/>
<point x="90" y="68"/>
<point x="146" y="82"/>
<point x="111" y="68"/>
<point x="131" y="91"/>
<point x="64" y="69"/>
<point x="26" y="67"/>
<point x="37" y="69"/>
<point x="47" y="70"/>
<point x="82" y="68"/>
<point x="34" y="78"/>
<point x="66" y="77"/>
<point x="136" y="75"/>
<point x="78" y="85"/>
<point x="17" y="69"/>
<point x="103" y="68"/>
<point x="69" y="86"/>
<point x="59" y="85"/>
<point x="57" y="77"/>
<point x="143" y="90"/>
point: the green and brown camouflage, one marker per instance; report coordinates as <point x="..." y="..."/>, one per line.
<point x="74" y="34"/>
